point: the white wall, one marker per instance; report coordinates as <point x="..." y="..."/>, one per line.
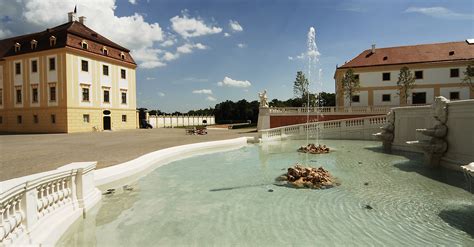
<point x="394" y="98"/>
<point x="52" y="75"/>
<point x="363" y="99"/>
<point x="17" y="79"/>
<point x="463" y="92"/>
<point x="34" y="77"/>
<point x="430" y="76"/>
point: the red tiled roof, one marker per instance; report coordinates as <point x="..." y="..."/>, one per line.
<point x="425" y="53"/>
<point x="69" y="34"/>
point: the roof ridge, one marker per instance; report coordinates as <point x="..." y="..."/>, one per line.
<point x="403" y="46"/>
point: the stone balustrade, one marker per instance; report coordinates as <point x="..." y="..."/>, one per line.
<point x="353" y="128"/>
<point x="330" y="110"/>
<point x="32" y="206"/>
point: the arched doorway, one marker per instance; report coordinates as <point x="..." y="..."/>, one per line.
<point x="106" y="120"/>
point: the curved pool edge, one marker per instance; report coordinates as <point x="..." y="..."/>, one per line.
<point x="133" y="170"/>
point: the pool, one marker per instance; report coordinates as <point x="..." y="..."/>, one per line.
<point x="224" y="199"/>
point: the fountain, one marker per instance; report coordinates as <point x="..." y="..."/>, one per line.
<point x="388" y="130"/>
<point x="437" y="145"/>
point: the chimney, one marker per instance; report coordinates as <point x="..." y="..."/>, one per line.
<point x="71" y="16"/>
<point x="373" y="48"/>
<point x="82" y="20"/>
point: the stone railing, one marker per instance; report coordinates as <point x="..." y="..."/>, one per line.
<point x="330" y="110"/>
<point x="170" y="121"/>
<point x="37" y="208"/>
<point x="353" y="128"/>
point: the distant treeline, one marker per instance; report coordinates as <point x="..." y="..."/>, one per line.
<point x="241" y="111"/>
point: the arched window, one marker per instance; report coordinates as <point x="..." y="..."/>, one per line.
<point x="17" y="47"/>
<point x="34" y="44"/>
<point x="105" y="51"/>
<point x="52" y="41"/>
<point x="84" y="45"/>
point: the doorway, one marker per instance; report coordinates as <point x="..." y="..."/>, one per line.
<point x="106" y="122"/>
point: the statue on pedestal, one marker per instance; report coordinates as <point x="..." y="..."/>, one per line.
<point x="263" y="98"/>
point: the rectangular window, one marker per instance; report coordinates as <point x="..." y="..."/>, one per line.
<point x="86" y="118"/>
<point x="18" y="96"/>
<point x="106" y="96"/>
<point x="1" y="119"/>
<point x="34" y="93"/>
<point x="356" y="98"/>
<point x="17" y="69"/>
<point x="124" y="98"/>
<point x="419" y="98"/>
<point x="85" y="94"/>
<point x="123" y="74"/>
<point x="454" y="95"/>
<point x="124" y="118"/>
<point x="52" y="63"/>
<point x="386" y="76"/>
<point x="386" y="97"/>
<point x="85" y="65"/>
<point x="454" y="73"/>
<point x="105" y="70"/>
<point x="53" y="118"/>
<point x="35" y="119"/>
<point x="356" y="77"/>
<point x="52" y="93"/>
<point x="1" y="97"/>
<point x="34" y="66"/>
<point x="419" y="74"/>
<point x="19" y="119"/>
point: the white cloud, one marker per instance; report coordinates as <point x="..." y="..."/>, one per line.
<point x="168" y="42"/>
<point x="440" y="12"/>
<point x="192" y="27"/>
<point x="161" y="94"/>
<point x="170" y="56"/>
<point x="132" y="1"/>
<point x="148" y="57"/>
<point x="194" y="79"/>
<point x="235" y="26"/>
<point x="210" y="98"/>
<point x="202" y="91"/>
<point x="4" y="33"/>
<point x="150" y="78"/>
<point x="226" y="35"/>
<point x="241" y="45"/>
<point x="290" y="58"/>
<point x="229" y="82"/>
<point x="188" y="48"/>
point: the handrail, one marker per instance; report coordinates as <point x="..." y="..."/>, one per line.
<point x="29" y="201"/>
<point x="372" y="122"/>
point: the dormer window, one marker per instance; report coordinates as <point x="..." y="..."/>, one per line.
<point x="34" y="44"/>
<point x="84" y="45"/>
<point x="122" y="55"/>
<point x="451" y="53"/>
<point x="385" y="58"/>
<point x="52" y="41"/>
<point x="17" y="47"/>
<point x="105" y="51"/>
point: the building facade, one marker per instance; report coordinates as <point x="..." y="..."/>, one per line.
<point x="437" y="68"/>
<point x="66" y="79"/>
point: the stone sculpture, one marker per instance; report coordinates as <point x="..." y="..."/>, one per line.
<point x="299" y="176"/>
<point x="388" y="129"/>
<point x="263" y="98"/>
<point x="437" y="145"/>
<point x="313" y="149"/>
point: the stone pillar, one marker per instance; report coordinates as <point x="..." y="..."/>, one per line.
<point x="263" y="118"/>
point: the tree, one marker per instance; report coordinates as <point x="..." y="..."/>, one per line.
<point x="468" y="75"/>
<point x="300" y="86"/>
<point x="350" y="85"/>
<point x="405" y="83"/>
<point x="326" y="99"/>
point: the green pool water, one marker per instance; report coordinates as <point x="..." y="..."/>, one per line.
<point x="223" y="199"/>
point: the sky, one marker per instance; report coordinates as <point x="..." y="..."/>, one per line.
<point x="193" y="54"/>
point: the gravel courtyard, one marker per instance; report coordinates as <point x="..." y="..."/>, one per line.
<point x="26" y="154"/>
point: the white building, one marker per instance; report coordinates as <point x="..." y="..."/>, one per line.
<point x="438" y="69"/>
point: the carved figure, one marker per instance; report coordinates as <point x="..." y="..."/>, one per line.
<point x="386" y="136"/>
<point x="263" y="98"/>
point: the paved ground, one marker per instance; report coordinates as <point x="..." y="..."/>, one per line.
<point x="22" y="155"/>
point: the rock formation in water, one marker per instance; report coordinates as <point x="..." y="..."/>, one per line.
<point x="299" y="176"/>
<point x="313" y="149"/>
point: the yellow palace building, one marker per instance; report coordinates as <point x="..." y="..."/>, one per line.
<point x="68" y="79"/>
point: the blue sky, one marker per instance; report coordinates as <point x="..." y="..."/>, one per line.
<point x="270" y="32"/>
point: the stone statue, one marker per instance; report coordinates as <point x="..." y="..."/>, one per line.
<point x="387" y="134"/>
<point x="437" y="145"/>
<point x="263" y="98"/>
